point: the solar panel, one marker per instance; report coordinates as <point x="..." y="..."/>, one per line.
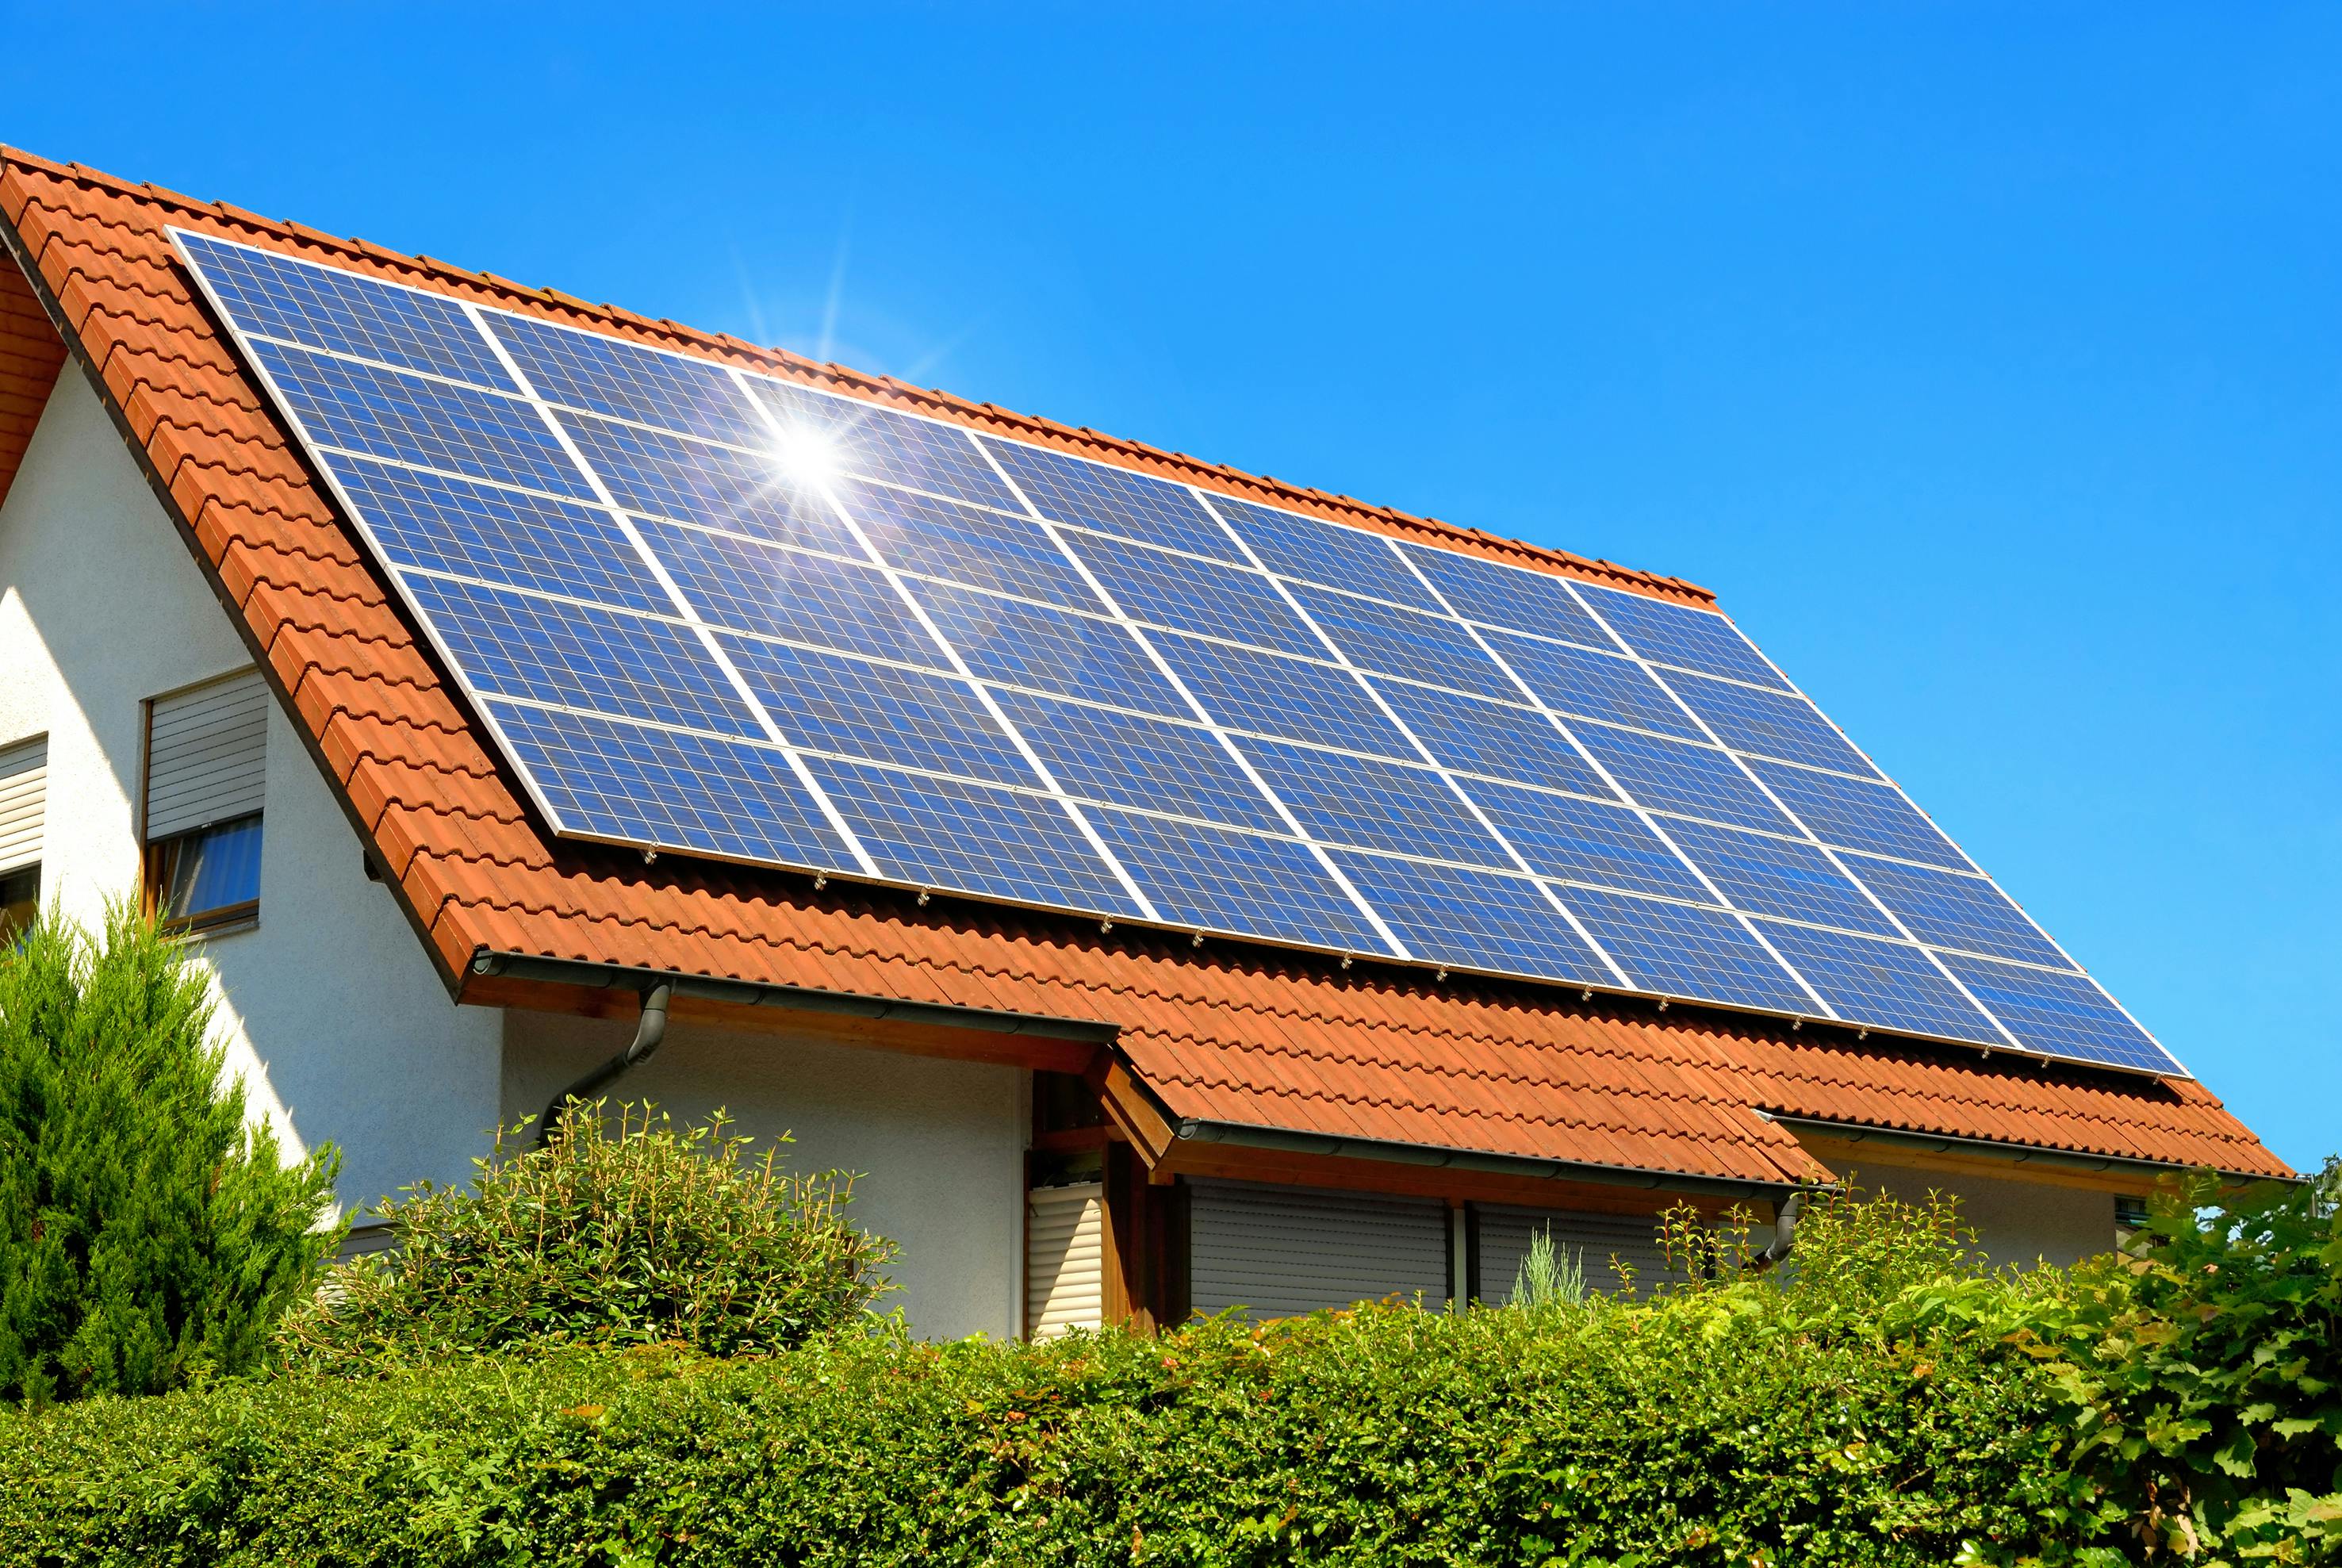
<point x="998" y="668"/>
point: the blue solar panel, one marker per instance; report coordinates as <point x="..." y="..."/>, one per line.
<point x="1610" y="687"/>
<point x="1499" y="741"/>
<point x="1287" y="698"/>
<point x="1113" y="500"/>
<point x="1306" y="550"/>
<point x="836" y="703"/>
<point x="606" y="779"/>
<point x="1500" y="596"/>
<point x="431" y="424"/>
<point x="1677" y="634"/>
<point x="1098" y="753"/>
<point x="967" y="544"/>
<point x="1770" y="723"/>
<point x="606" y="376"/>
<point x="926" y="634"/>
<point x="1890" y="984"/>
<point x="1687" y="780"/>
<point x="1374" y="804"/>
<point x="1963" y="912"/>
<point x="764" y="588"/>
<point x="1474" y="919"/>
<point x="1223" y="880"/>
<point x="519" y="646"/>
<point x="1395" y="641"/>
<point x="443" y="524"/>
<point x="972" y="838"/>
<point x="2060" y="1014"/>
<point x="692" y="482"/>
<point x="1192" y="596"/>
<point x="1046" y="650"/>
<point x="1852" y="815"/>
<point x="1779" y="876"/>
<point x="1584" y="841"/>
<point x="880" y="443"/>
<point x="1678" y="950"/>
<point x="274" y="295"/>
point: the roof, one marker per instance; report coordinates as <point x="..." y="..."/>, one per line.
<point x="1227" y="1031"/>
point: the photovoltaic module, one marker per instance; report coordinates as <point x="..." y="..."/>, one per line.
<point x="709" y="612"/>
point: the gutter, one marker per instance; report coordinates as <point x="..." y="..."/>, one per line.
<point x="649" y="1034"/>
<point x="793" y="998"/>
<point x="1246" y="1135"/>
<point x="2014" y="1154"/>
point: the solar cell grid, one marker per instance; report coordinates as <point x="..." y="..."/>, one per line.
<point x="2058" y="1014"/>
<point x="1292" y="699"/>
<point x="1779" y="876"/>
<point x="1047" y="650"/>
<point x="1683" y="779"/>
<point x="1099" y="754"/>
<point x="879" y="444"/>
<point x="1497" y="741"/>
<point x="1475" y="920"/>
<point x="1223" y="880"/>
<point x="1113" y="500"/>
<point x="1769" y="723"/>
<point x="1584" y="841"/>
<point x="1852" y="815"/>
<point x="274" y="295"/>
<point x="1307" y="550"/>
<point x="1498" y="596"/>
<point x="1191" y="595"/>
<point x="1680" y="950"/>
<point x="934" y="538"/>
<point x="608" y="375"/>
<point x="750" y="586"/>
<point x="1949" y="911"/>
<point x="1886" y="985"/>
<point x="430" y="423"/>
<point x="1669" y="633"/>
<point x="1394" y="642"/>
<point x="1584" y="684"/>
<point x="972" y="837"/>
<point x="519" y="646"/>
<point x="443" y="524"/>
<point x="662" y="475"/>
<point x="836" y="703"/>
<point x="696" y="794"/>
<point x="1374" y="804"/>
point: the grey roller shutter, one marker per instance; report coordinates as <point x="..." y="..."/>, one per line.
<point x="1284" y="1251"/>
<point x="23" y="802"/>
<point x="205" y="751"/>
<point x="1594" y="1240"/>
<point x="1064" y="1259"/>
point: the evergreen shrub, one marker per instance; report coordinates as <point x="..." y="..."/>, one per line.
<point x="148" y="1235"/>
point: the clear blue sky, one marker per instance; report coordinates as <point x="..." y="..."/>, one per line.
<point x="1986" y="361"/>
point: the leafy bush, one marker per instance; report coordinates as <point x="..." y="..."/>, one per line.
<point x="635" y="1232"/>
<point x="1749" y="1421"/>
<point x="148" y="1235"/>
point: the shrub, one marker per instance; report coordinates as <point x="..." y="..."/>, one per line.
<point x="628" y="1234"/>
<point x="148" y="1234"/>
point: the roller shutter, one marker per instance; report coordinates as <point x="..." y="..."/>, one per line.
<point x="1281" y="1252"/>
<point x="1064" y="1259"/>
<point x="205" y="751"/>
<point x="1592" y="1239"/>
<point x="23" y="802"/>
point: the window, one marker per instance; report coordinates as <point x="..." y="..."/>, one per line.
<point x="23" y="803"/>
<point x="206" y="748"/>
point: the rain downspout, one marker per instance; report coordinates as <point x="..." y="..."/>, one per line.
<point x="648" y="1033"/>
<point x="1784" y="1233"/>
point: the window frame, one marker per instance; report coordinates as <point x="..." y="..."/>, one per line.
<point x="155" y="857"/>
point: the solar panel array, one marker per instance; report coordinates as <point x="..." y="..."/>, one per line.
<point x="963" y="662"/>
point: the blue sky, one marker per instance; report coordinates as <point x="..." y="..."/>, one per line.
<point x="1986" y="360"/>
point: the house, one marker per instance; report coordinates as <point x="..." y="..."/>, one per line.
<point x="212" y="690"/>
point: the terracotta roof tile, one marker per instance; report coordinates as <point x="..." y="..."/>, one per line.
<point x="1227" y="1031"/>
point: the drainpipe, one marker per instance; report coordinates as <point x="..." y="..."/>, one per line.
<point x="648" y="1033"/>
<point x="1784" y="1233"/>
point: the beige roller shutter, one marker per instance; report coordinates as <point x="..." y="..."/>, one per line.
<point x="1064" y="1259"/>
<point x="1593" y="1240"/>
<point x="23" y="802"/>
<point x="204" y="751"/>
<point x="1281" y="1251"/>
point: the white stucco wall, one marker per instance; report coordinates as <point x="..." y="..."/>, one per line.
<point x="2015" y="1222"/>
<point x="939" y="1144"/>
<point x="329" y="1009"/>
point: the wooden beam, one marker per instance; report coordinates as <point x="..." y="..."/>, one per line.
<point x="1848" y="1155"/>
<point x="1232" y="1161"/>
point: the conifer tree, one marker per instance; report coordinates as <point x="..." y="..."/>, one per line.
<point x="148" y="1235"/>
